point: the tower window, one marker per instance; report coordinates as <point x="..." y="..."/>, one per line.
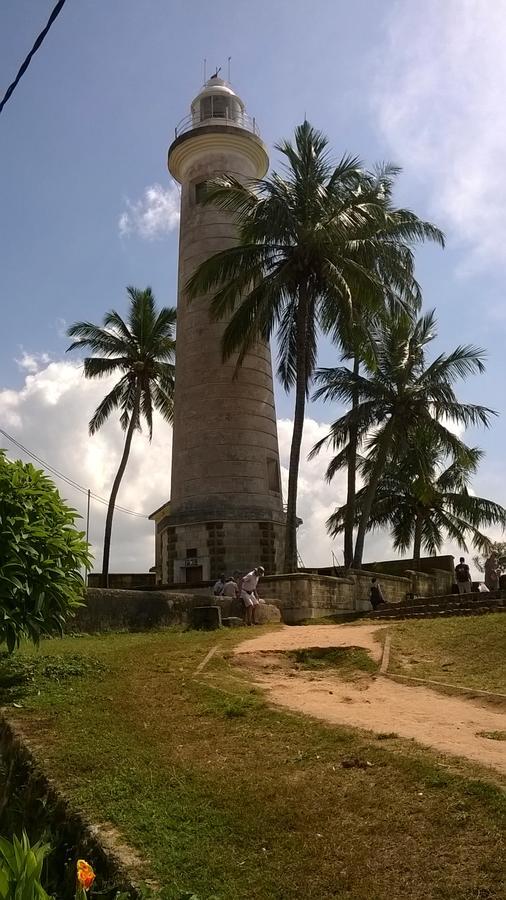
<point x="191" y="553"/>
<point x="273" y="475"/>
<point x="214" y="107"/>
<point x="200" y="192"/>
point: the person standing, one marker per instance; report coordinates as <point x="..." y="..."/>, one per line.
<point x="376" y="596"/>
<point x="463" y="576"/>
<point x="249" y="594"/>
<point x="492" y="572"/>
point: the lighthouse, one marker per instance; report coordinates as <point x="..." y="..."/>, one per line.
<point x="225" y="513"/>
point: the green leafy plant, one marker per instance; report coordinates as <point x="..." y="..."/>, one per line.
<point x="41" y="555"/>
<point x="21" y="869"/>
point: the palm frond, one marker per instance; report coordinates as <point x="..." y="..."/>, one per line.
<point x="100" y="367"/>
<point x="113" y="400"/>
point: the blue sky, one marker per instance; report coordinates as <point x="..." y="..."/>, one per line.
<point x="87" y="130"/>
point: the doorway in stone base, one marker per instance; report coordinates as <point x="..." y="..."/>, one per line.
<point x="193" y="574"/>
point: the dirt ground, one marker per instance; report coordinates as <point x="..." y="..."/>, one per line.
<point x="447" y="723"/>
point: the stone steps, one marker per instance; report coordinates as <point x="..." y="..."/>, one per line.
<point x="436" y="607"/>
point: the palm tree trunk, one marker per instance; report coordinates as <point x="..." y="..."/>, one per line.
<point x="377" y="472"/>
<point x="417" y="544"/>
<point x="115" y="487"/>
<point x="349" y="520"/>
<point x="291" y="557"/>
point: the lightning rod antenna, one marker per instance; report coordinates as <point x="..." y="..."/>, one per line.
<point x="205" y="70"/>
<point x="228" y="68"/>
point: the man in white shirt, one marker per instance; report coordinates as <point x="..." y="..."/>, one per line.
<point x="249" y="593"/>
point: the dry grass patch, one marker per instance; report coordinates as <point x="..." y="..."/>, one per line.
<point x="466" y="650"/>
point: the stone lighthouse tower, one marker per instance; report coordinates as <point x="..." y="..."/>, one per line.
<point x="225" y="512"/>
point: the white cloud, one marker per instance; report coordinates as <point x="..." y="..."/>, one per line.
<point x="155" y="214"/>
<point x="49" y="415"/>
<point x="440" y="103"/>
<point x="32" y="362"/>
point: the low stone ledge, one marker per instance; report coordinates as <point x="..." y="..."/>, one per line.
<point x="106" y="609"/>
<point x="28" y="792"/>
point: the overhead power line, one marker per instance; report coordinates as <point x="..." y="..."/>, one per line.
<point x="67" y="479"/>
<point x="52" y="18"/>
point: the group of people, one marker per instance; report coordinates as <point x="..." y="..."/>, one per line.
<point x="244" y="588"/>
<point x="492" y="571"/>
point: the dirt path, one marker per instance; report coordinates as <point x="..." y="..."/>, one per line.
<point x="446" y="723"/>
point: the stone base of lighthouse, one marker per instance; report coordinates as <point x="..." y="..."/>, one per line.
<point x="200" y="551"/>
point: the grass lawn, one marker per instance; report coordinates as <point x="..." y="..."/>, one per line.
<point x="230" y="799"/>
<point x="469" y="651"/>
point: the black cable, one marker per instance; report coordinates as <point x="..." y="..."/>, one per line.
<point x="67" y="480"/>
<point x="54" y="15"/>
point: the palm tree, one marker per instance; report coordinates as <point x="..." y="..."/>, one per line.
<point x="142" y="349"/>
<point x="423" y="498"/>
<point x="398" y="394"/>
<point x="314" y="244"/>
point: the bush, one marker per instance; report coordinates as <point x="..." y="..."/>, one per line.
<point x="21" y="869"/>
<point x="41" y="555"/>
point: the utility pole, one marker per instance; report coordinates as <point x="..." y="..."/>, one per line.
<point x="88" y="504"/>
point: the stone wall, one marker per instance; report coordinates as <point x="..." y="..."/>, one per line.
<point x="123" y="610"/>
<point x="444" y="581"/>
<point x="304" y="595"/>
<point x="301" y="596"/>
<point x="426" y="581"/>
<point x="395" y="588"/>
<point x="123" y="581"/>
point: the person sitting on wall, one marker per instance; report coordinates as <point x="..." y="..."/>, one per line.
<point x="230" y="588"/>
<point x="219" y="586"/>
<point x="463" y="577"/>
<point x="249" y="594"/>
<point x="376" y="596"/>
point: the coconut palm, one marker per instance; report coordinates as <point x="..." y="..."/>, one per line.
<point x="315" y="243"/>
<point x="423" y="498"/>
<point x="399" y="393"/>
<point x="142" y="350"/>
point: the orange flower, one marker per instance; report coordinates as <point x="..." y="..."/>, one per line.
<point x="85" y="874"/>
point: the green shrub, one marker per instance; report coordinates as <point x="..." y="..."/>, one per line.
<point x="41" y="555"/>
<point x="21" y="869"/>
